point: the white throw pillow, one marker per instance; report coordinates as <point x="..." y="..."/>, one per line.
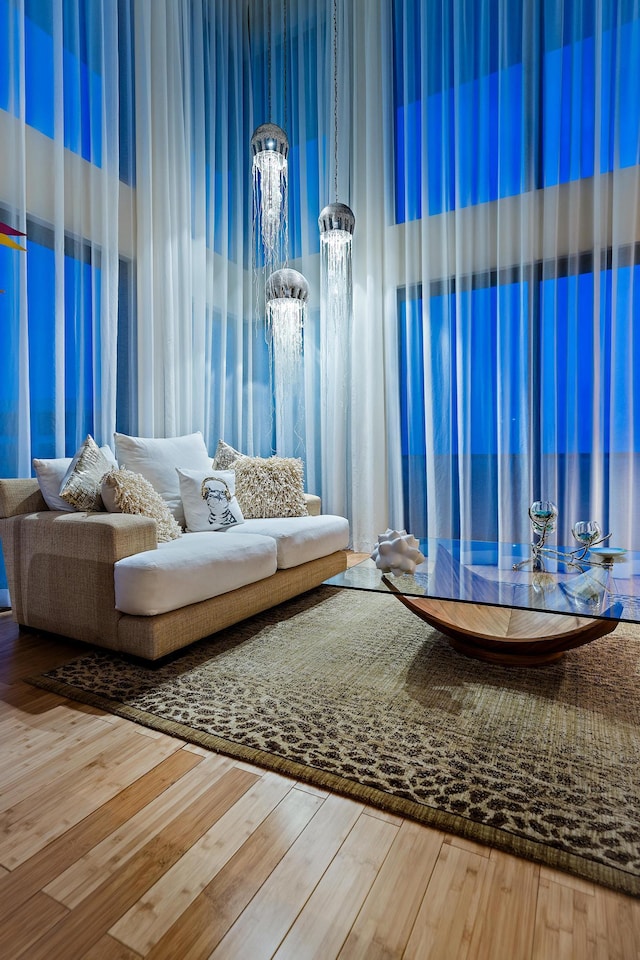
<point x="209" y="499"/>
<point x="51" y="472"/>
<point x="156" y="458"/>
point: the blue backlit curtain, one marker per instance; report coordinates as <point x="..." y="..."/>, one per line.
<point x="517" y="204"/>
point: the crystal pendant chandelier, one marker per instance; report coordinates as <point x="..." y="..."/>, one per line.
<point x="337" y="224"/>
<point x="270" y="148"/>
<point x="287" y="295"/>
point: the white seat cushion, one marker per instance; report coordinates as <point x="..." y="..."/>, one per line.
<point x="300" y="539"/>
<point x="196" y="567"/>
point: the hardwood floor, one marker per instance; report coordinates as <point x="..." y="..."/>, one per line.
<point x="117" y="842"/>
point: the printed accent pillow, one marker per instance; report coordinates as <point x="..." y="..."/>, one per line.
<point x="124" y="491"/>
<point x="81" y="484"/>
<point x="50" y="473"/>
<point x="225" y="456"/>
<point x="156" y="458"/>
<point x="209" y="499"/>
<point x="271" y="487"/>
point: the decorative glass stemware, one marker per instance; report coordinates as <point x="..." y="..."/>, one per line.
<point x="586" y="532"/>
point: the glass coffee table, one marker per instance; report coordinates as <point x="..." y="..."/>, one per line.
<point x="470" y="591"/>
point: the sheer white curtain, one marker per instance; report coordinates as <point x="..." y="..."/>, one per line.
<point x="195" y="366"/>
<point x="59" y="158"/>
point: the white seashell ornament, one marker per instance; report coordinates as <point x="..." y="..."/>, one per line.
<point x="397" y="552"/>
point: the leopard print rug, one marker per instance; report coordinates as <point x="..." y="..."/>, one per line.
<point x="353" y="692"/>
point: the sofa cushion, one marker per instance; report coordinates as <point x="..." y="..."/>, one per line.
<point x="126" y="492"/>
<point x="81" y="483"/>
<point x="156" y="458"/>
<point x="300" y="539"/>
<point x="225" y="456"/>
<point x="196" y="567"/>
<point x="50" y="473"/>
<point x="270" y="487"/>
<point x="209" y="500"/>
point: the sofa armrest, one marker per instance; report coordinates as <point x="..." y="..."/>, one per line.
<point x="314" y="504"/>
<point x="20" y="496"/>
<point x="60" y="568"/>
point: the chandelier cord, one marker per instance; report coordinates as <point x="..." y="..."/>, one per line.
<point x="269" y="56"/>
<point x="335" y="99"/>
<point x="285" y="58"/>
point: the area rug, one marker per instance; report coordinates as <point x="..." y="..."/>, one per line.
<point x="350" y="691"/>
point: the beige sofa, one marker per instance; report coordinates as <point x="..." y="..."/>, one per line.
<point x="60" y="572"/>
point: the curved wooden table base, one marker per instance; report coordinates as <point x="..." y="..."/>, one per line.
<point x="503" y="634"/>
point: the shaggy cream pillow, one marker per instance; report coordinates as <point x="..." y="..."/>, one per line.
<point x="272" y="487"/>
<point x="124" y="491"/>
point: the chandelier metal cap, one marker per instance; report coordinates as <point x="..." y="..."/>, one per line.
<point x="270" y="137"/>
<point x="337" y="216"/>
<point x="287" y="284"/>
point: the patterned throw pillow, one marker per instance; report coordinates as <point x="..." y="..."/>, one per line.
<point x="81" y="484"/>
<point x="124" y="491"/>
<point x="209" y="499"/>
<point x="272" y="487"/>
<point x="225" y="456"/>
<point x="51" y="472"/>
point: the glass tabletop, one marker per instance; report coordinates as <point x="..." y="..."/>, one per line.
<point x="473" y="571"/>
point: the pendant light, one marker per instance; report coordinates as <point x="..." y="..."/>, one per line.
<point x="287" y="295"/>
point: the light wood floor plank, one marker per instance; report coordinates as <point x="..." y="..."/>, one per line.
<point x="27" y="924"/>
<point x="41" y="756"/>
<point x="567" y="880"/>
<point x="203" y="924"/>
<point x="54" y="771"/>
<point x="83" y="927"/>
<point x="80" y="880"/>
<point x="622" y="924"/>
<point x="158" y="909"/>
<point x="340" y="893"/>
<point x="39" y="819"/>
<point x="508" y="904"/>
<point x="383" y="926"/>
<point x="20" y="884"/>
<point x="565" y="926"/>
<point x="450" y="908"/>
<point x="262" y="926"/>
<point x="109" y="949"/>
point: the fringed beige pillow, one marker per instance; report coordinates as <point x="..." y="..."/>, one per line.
<point x="124" y="491"/>
<point x="272" y="487"/>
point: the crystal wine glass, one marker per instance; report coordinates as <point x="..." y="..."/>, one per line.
<point x="586" y="532"/>
<point x="543" y="515"/>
